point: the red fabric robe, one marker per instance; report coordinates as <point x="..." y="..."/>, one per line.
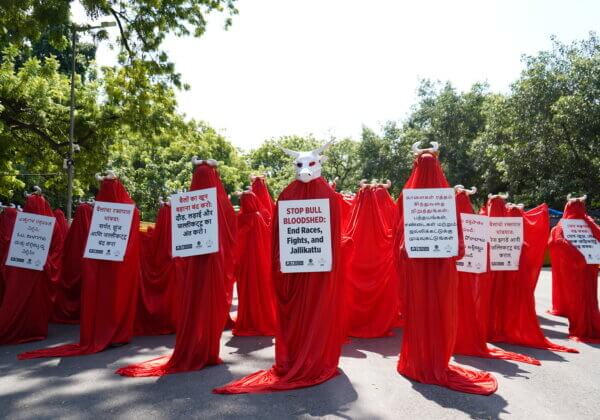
<point x="67" y="302"/>
<point x="162" y="277"/>
<point x="256" y="297"/>
<point x="388" y="207"/>
<point x="204" y="307"/>
<point x="512" y="303"/>
<point x="578" y="280"/>
<point x="469" y="340"/>
<point x="430" y="301"/>
<point x="371" y="274"/>
<point x="259" y="188"/>
<point x="310" y="326"/>
<point x="7" y="222"/>
<point x="108" y="292"/>
<point x="26" y="306"/>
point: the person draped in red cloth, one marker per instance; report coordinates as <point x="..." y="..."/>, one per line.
<point x="204" y="307"/>
<point x="7" y="222"/>
<point x="577" y="279"/>
<point x="310" y="322"/>
<point x="371" y="275"/>
<point x="67" y="302"/>
<point x="430" y="288"/>
<point x="259" y="188"/>
<point x="108" y="290"/>
<point x="55" y="258"/>
<point x="26" y="305"/>
<point x="162" y="276"/>
<point x="512" y="316"/>
<point x="256" y="297"/>
<point x="469" y="340"/>
<point x="387" y="205"/>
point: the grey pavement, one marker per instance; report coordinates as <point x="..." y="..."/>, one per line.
<point x="565" y="386"/>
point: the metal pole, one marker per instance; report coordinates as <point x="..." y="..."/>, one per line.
<point x="70" y="168"/>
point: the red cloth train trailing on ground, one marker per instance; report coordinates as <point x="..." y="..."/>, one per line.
<point x="256" y="297"/>
<point x="259" y="188"/>
<point x="579" y="280"/>
<point x="26" y="306"/>
<point x="108" y="291"/>
<point x="67" y="302"/>
<point x="7" y="222"/>
<point x="469" y="340"/>
<point x="310" y="329"/>
<point x="204" y="307"/>
<point x="162" y="277"/>
<point x="430" y="305"/>
<point x="371" y="275"/>
<point x="512" y="301"/>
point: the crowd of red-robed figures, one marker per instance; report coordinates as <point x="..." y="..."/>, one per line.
<point x="372" y="288"/>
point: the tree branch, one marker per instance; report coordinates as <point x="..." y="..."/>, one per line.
<point x="123" y="37"/>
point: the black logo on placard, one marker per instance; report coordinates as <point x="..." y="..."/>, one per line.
<point x="419" y="248"/>
<point x="291" y="263"/>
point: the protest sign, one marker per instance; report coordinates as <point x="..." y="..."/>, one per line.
<point x="30" y="241"/>
<point x="195" y="223"/>
<point x="506" y="240"/>
<point x="580" y="235"/>
<point x="109" y="231"/>
<point x="304" y="236"/>
<point x="475" y="235"/>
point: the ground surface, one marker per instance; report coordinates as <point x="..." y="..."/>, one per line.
<point x="565" y="386"/>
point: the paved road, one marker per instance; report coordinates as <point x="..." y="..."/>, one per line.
<point x="565" y="386"/>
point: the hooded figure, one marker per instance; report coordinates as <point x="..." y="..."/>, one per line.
<point x="430" y="288"/>
<point x="8" y="217"/>
<point x="161" y="279"/>
<point x="310" y="322"/>
<point x="27" y="304"/>
<point x="256" y="297"/>
<point x="387" y="205"/>
<point x="512" y="316"/>
<point x="469" y="340"/>
<point x="204" y="306"/>
<point x="68" y="295"/>
<point x="259" y="188"/>
<point x="371" y="275"/>
<point x="108" y="290"/>
<point x="578" y="281"/>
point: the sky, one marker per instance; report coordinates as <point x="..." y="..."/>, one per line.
<point x="328" y="67"/>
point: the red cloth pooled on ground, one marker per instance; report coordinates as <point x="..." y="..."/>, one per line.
<point x="26" y="306"/>
<point x="7" y="222"/>
<point x="108" y="291"/>
<point x="259" y="188"/>
<point x="310" y="321"/>
<point x="67" y="302"/>
<point x="256" y="297"/>
<point x="371" y="275"/>
<point x="578" y="280"/>
<point x="430" y="305"/>
<point x="469" y="340"/>
<point x="162" y="277"/>
<point x="204" y="307"/>
<point x="512" y="301"/>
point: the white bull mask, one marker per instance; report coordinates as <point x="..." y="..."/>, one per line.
<point x="308" y="164"/>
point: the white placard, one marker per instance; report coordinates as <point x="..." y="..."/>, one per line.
<point x="109" y="231"/>
<point x="304" y="236"/>
<point x="475" y="235"/>
<point x="194" y="223"/>
<point x="580" y="235"/>
<point x="430" y="229"/>
<point x="506" y="241"/>
<point x="30" y="241"/>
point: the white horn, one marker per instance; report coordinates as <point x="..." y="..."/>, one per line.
<point x="212" y="162"/>
<point x="110" y="174"/>
<point x="362" y="183"/>
<point x="290" y="153"/>
<point x="319" y="150"/>
<point x="37" y="190"/>
<point x="196" y="161"/>
<point x="387" y="185"/>
<point x="99" y="177"/>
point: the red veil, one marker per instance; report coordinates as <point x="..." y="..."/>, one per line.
<point x="68" y="295"/>
<point x="347" y="202"/>
<point x="430" y="300"/>
<point x="512" y="316"/>
<point x="371" y="275"/>
<point x="469" y="340"/>
<point x="161" y="280"/>
<point x="108" y="291"/>
<point x="310" y="325"/>
<point x="259" y="188"/>
<point x="7" y="222"/>
<point x="387" y="206"/>
<point x="27" y="303"/>
<point x="204" y="307"/>
<point x="578" y="281"/>
<point x="256" y="297"/>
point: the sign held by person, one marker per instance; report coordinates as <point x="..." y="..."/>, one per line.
<point x="580" y="235"/>
<point x="304" y="236"/>
<point x="506" y="241"/>
<point x="195" y="223"/>
<point x="109" y="231"/>
<point x="30" y="241"/>
<point x="430" y="226"/>
<point x="475" y="235"/>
